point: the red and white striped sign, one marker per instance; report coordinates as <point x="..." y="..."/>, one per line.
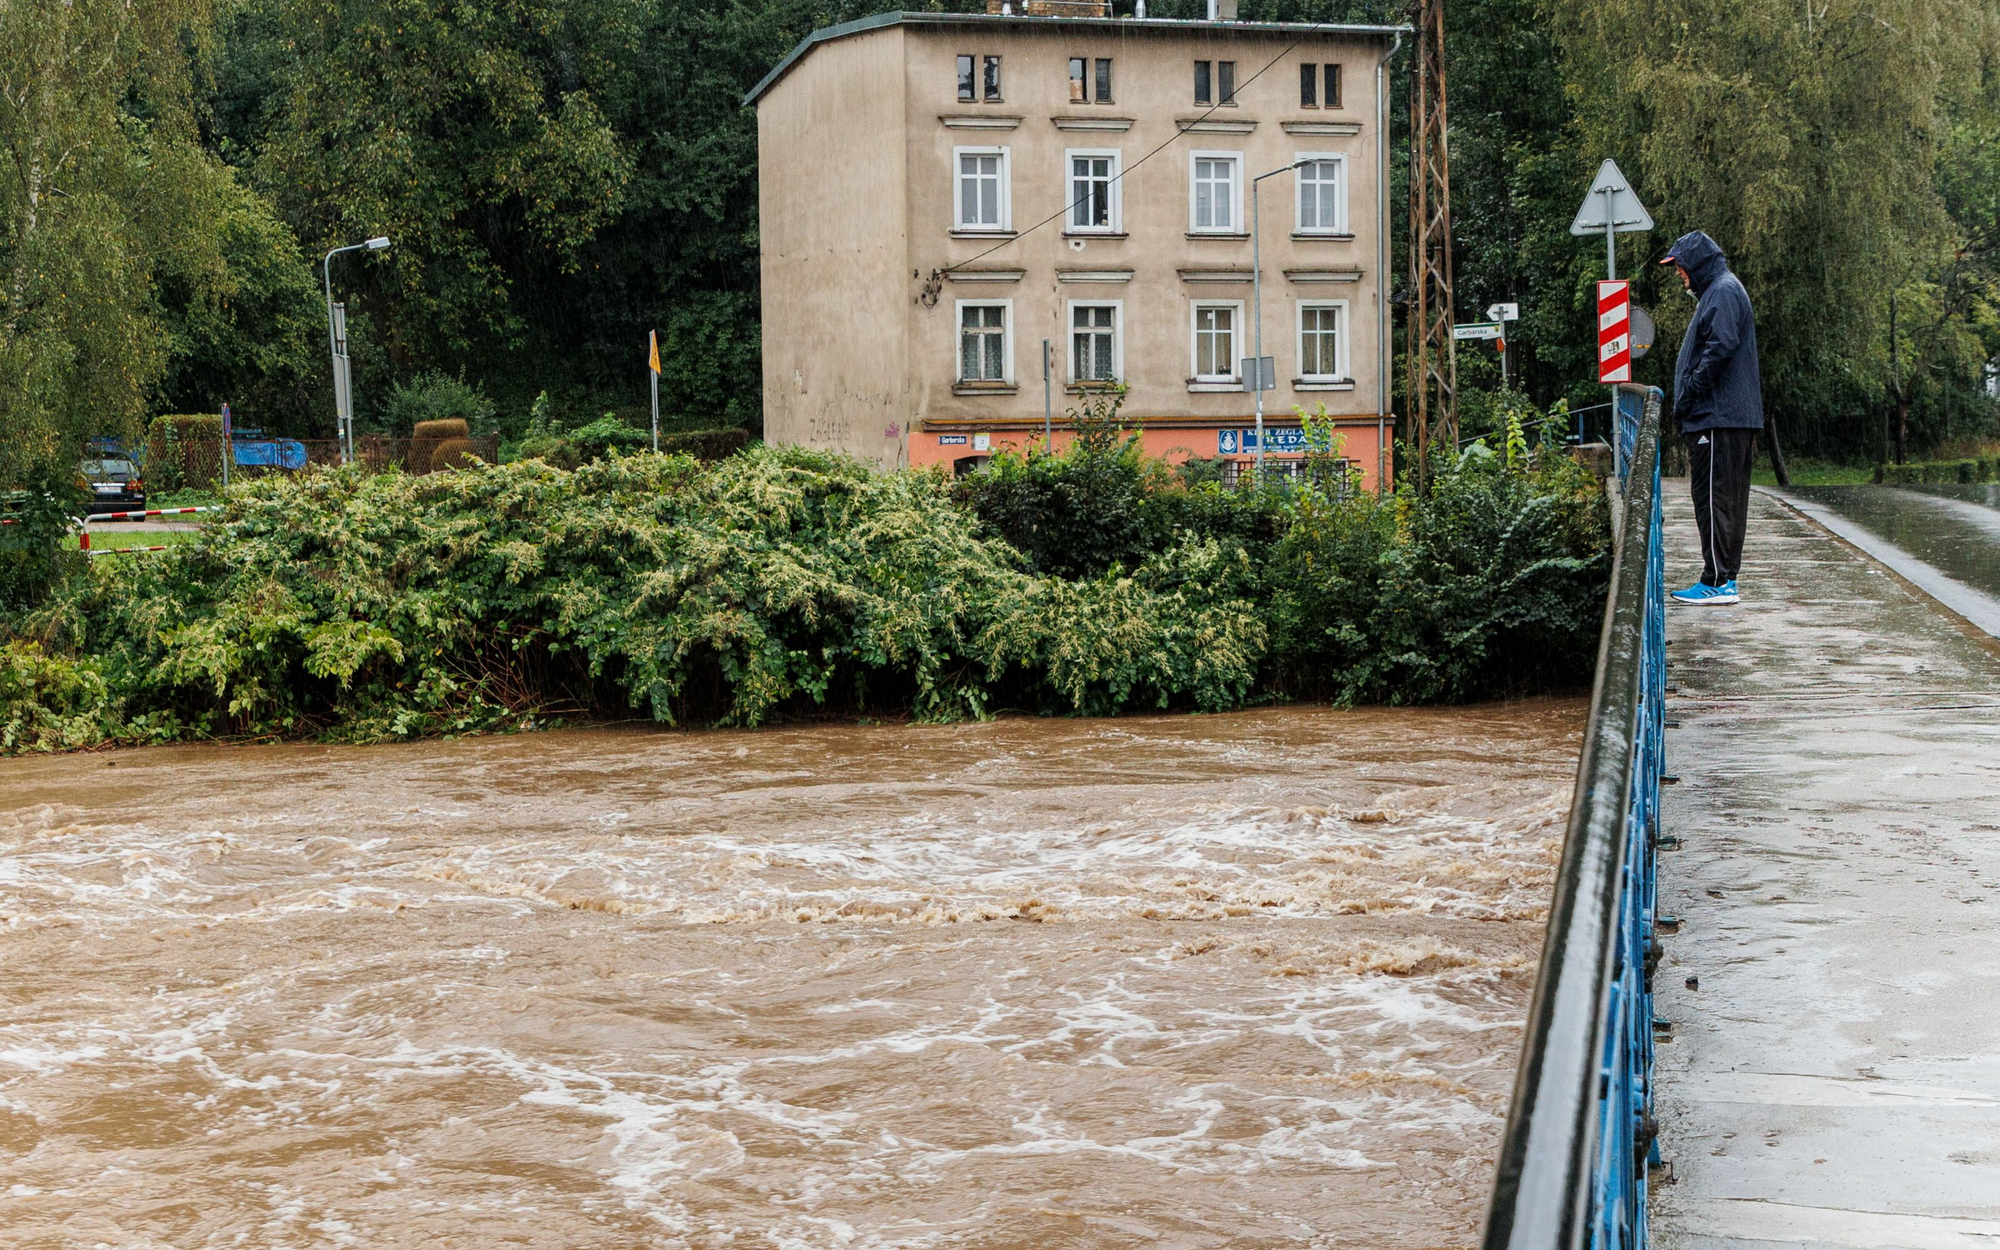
<point x="1614" y="331"/>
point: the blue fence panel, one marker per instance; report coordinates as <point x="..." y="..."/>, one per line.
<point x="1580" y="1131"/>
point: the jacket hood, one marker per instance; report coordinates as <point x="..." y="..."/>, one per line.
<point x="1701" y="257"/>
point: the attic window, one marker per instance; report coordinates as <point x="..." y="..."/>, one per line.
<point x="1308" y="86"/>
<point x="992" y="78"/>
<point x="1333" y="86"/>
<point x="1083" y="86"/>
<point x="965" y="93"/>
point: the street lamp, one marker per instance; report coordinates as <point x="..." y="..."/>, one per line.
<point x="336" y="337"/>
<point x="1257" y="299"/>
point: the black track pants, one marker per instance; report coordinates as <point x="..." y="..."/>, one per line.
<point x="1719" y="479"/>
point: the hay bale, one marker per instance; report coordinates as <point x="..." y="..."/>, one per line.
<point x="452" y="453"/>
<point x="455" y="427"/>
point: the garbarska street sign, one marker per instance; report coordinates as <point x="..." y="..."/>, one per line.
<point x="1478" y="330"/>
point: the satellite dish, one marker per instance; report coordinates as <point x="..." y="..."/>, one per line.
<point x="1642" y="331"/>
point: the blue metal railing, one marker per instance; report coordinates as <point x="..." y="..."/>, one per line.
<point x="1572" y="1170"/>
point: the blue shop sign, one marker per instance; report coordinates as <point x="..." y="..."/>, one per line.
<point x="1278" y="440"/>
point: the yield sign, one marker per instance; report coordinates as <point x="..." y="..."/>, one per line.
<point x="1611" y="201"/>
<point x="1614" y="331"/>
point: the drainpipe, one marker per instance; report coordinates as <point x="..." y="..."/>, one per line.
<point x="1382" y="336"/>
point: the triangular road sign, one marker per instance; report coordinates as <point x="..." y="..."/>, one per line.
<point x="1611" y="198"/>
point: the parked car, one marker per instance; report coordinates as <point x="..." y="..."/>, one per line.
<point x="113" y="479"/>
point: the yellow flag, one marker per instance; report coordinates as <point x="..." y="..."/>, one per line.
<point x="653" y="350"/>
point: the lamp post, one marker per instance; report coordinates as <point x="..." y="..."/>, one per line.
<point x="1257" y="300"/>
<point x="336" y="339"/>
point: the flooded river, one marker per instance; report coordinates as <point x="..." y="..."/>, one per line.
<point x="1245" y="981"/>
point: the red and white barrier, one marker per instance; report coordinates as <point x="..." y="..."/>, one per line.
<point x="1614" y="331"/>
<point x="83" y="527"/>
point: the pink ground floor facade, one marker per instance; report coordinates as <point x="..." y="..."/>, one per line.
<point x="1364" y="441"/>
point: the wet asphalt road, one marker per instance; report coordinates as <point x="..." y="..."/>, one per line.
<point x="1835" y="1079"/>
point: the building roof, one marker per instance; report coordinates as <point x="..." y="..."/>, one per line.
<point x="880" y="21"/>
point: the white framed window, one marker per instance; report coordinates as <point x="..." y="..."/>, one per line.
<point x="1216" y="334"/>
<point x="986" y="340"/>
<point x="1322" y="181"/>
<point x="1215" y="192"/>
<point x="1323" y="341"/>
<point x="983" y="195"/>
<point x="1095" y="202"/>
<point x="1096" y="340"/>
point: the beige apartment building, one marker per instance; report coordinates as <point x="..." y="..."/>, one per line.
<point x="942" y="193"/>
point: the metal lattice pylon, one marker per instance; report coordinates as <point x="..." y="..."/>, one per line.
<point x="1433" y="397"/>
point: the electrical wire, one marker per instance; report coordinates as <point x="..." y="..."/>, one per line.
<point x="1126" y="169"/>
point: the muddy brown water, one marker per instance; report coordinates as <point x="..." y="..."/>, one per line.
<point x="1250" y="980"/>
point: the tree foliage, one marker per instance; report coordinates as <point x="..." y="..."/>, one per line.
<point x="134" y="266"/>
<point x="1815" y="143"/>
<point x="561" y="176"/>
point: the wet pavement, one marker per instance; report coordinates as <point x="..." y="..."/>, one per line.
<point x="1946" y="538"/>
<point x="1833" y="1074"/>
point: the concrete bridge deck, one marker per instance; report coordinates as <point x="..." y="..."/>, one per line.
<point x="1833" y="1075"/>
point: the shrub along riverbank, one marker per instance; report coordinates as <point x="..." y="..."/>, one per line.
<point x="782" y="582"/>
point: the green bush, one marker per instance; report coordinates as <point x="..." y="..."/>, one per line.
<point x="1937" y="472"/>
<point x="1100" y="504"/>
<point x="546" y="438"/>
<point x="436" y="396"/>
<point x="777" y="581"/>
<point x="49" y="703"/>
<point x="33" y="554"/>
<point x="184" y="452"/>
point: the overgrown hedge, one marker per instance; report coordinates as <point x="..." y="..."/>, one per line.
<point x="780" y="582"/>
<point x="184" y="451"/>
<point x="1938" y="471"/>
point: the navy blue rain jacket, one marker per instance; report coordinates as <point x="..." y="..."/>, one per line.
<point x="1716" y="383"/>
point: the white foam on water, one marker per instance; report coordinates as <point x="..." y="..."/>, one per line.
<point x="820" y="1016"/>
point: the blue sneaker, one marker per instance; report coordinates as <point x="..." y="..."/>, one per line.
<point x="1707" y="595"/>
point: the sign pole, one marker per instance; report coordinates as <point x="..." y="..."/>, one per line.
<point x="1611" y="275"/>
<point x="228" y="449"/>
<point x="653" y="376"/>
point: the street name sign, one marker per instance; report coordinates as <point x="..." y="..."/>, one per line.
<point x="1477" y="330"/>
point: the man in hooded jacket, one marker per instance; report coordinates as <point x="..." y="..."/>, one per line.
<point x="1718" y="398"/>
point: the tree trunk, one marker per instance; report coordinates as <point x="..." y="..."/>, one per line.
<point x="1777" y="453"/>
